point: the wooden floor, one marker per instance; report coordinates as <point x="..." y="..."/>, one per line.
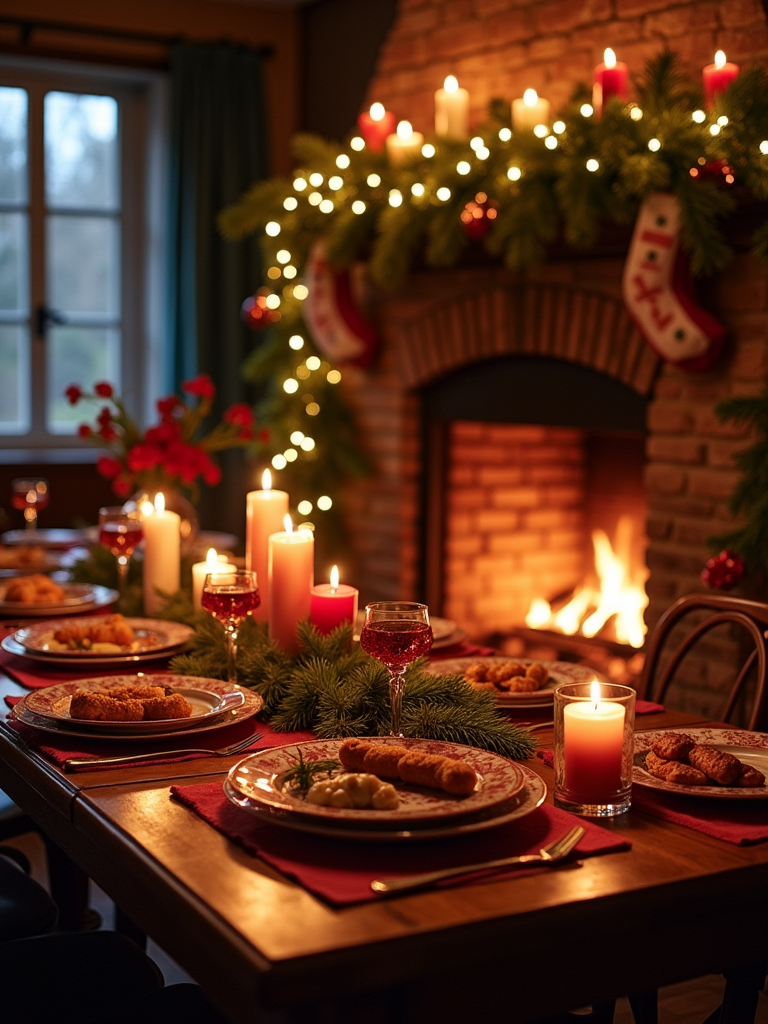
<point x="688" y="1003"/>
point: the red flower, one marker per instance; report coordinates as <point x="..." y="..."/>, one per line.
<point x="107" y="433"/>
<point x="240" y="415"/>
<point x="122" y="486"/>
<point x="202" y="386"/>
<point x="74" y="394"/>
<point x="105" y="416"/>
<point x="144" y="456"/>
<point x="212" y="474"/>
<point x="264" y="435"/>
<point x="167" y="406"/>
<point x="84" y="431"/>
<point x="108" y="467"/>
<point x="103" y="390"/>
<point x="164" y="433"/>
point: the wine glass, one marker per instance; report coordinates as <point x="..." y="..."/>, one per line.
<point x="30" y="494"/>
<point x="396" y="633"/>
<point x="229" y="596"/>
<point x="120" y="530"/>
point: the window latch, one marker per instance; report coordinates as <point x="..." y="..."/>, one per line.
<point x="45" y="317"/>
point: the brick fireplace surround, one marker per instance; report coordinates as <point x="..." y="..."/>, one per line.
<point x="569" y="309"/>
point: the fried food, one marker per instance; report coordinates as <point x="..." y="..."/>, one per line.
<point x="749" y="777"/>
<point x="508" y="676"/>
<point x="673" y="746"/>
<point x="674" y="771"/>
<point x="352" y="752"/>
<point x="384" y="760"/>
<point x="520" y="684"/>
<point x="140" y="692"/>
<point x="112" y="630"/>
<point x="25" y="556"/>
<point x="174" y="706"/>
<point x="36" y="589"/>
<point x="129" y="704"/>
<point x="99" y="707"/>
<point x="414" y="766"/>
<point x="722" y="768"/>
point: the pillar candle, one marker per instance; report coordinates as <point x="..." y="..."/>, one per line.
<point x="529" y="111"/>
<point x="610" y="80"/>
<point x="162" y="552"/>
<point x="593" y="735"/>
<point x="291" y="575"/>
<point x="452" y="110"/>
<point x="265" y="513"/>
<point x="213" y="563"/>
<point x="717" y="77"/>
<point x="332" y="604"/>
<point x="404" y="145"/>
<point x="375" y="125"/>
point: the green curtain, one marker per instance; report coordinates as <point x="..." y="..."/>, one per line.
<point x="218" y="149"/>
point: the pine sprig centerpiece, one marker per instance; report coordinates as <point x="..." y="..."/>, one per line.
<point x="337" y="690"/>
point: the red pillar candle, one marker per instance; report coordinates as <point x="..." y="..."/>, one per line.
<point x="717" y="77"/>
<point x="593" y="734"/>
<point x="375" y="125"/>
<point x="610" y="80"/>
<point x="332" y="603"/>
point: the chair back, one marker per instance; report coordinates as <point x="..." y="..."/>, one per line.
<point x="751" y="616"/>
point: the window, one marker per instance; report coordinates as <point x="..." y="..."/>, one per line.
<point x="79" y="283"/>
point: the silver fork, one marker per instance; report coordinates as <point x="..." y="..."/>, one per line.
<point x="78" y="764"/>
<point x="547" y="855"/>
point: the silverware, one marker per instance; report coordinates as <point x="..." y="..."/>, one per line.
<point x="547" y="855"/>
<point x="78" y="764"/>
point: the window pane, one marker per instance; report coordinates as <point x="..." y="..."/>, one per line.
<point x="13" y="144"/>
<point x="84" y="356"/>
<point x="13" y="262"/>
<point x="81" y="151"/>
<point x="83" y="264"/>
<point x="14" y="379"/>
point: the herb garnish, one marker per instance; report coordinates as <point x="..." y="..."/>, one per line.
<point x="303" y="773"/>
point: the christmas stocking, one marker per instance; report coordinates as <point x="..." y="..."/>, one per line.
<point x="658" y="290"/>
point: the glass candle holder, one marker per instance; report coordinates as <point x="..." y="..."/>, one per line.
<point x="594" y="748"/>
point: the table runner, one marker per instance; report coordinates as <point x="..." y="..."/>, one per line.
<point x="341" y="872"/>
<point x="741" y="823"/>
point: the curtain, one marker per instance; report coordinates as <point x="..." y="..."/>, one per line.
<point x="218" y="149"/>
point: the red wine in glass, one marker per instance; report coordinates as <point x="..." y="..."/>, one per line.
<point x="230" y="605"/>
<point x="120" y="539"/>
<point x="396" y="633"/>
<point x="30" y="496"/>
<point x="229" y="596"/>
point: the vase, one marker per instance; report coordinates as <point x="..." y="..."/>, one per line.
<point x="176" y="502"/>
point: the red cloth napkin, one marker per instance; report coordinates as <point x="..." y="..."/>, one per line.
<point x="647" y="707"/>
<point x="462" y="650"/>
<point x="742" y="823"/>
<point x="342" y="871"/>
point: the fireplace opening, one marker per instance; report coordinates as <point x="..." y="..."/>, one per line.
<point x="535" y="497"/>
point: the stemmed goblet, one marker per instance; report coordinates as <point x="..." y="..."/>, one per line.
<point x="396" y="633"/>
<point x="229" y="596"/>
<point x="30" y="495"/>
<point x="120" y="531"/>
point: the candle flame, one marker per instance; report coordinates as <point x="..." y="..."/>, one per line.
<point x="609" y="58"/>
<point x="288" y="524"/>
<point x="377" y="111"/>
<point x="335" y="578"/>
<point x="147" y="508"/>
<point x="451" y="84"/>
<point x="211" y="560"/>
<point x="530" y="97"/>
<point x="594" y="692"/>
<point x="404" y="130"/>
<point x="160" y="502"/>
<point x="719" y="59"/>
<point x="266" y="480"/>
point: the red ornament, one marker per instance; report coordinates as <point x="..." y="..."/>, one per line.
<point x="723" y="571"/>
<point x="478" y="216"/>
<point x="256" y="314"/>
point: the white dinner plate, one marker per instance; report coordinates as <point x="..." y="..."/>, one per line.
<point x="46" y="538"/>
<point x="151" y="635"/>
<point x="80" y="597"/>
<point x="530" y="797"/>
<point x="560" y="672"/>
<point x="750" y="747"/>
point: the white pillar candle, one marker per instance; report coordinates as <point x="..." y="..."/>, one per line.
<point x="162" y="552"/>
<point x="452" y="110"/>
<point x="265" y="512"/>
<point x="291" y="575"/>
<point x="404" y="146"/>
<point x="529" y="111"/>
<point x="213" y="563"/>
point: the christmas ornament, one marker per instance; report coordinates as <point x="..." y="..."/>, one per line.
<point x="723" y="571"/>
<point x="658" y="290"/>
<point x="256" y="314"/>
<point x="478" y="216"/>
<point x="338" y="328"/>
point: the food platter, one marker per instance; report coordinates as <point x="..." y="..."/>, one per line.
<point x="560" y="672"/>
<point x="151" y="635"/>
<point x="46" y="538"/>
<point x="216" y="704"/>
<point x="750" y="747"/>
<point x="80" y="597"/>
<point x="529" y="797"/>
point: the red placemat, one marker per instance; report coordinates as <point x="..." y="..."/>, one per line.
<point x="462" y="650"/>
<point x="647" y="707"/>
<point x="742" y="823"/>
<point x="342" y="871"/>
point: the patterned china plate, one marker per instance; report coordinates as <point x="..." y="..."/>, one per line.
<point x="80" y="597"/>
<point x="559" y="672"/>
<point x="151" y="635"/>
<point x="260" y="779"/>
<point x="216" y="705"/>
<point x="751" y="747"/>
<point x="530" y="797"/>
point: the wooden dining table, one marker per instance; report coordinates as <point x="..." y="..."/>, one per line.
<point x="679" y="904"/>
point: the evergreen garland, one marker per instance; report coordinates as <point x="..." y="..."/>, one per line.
<point x="336" y="689"/>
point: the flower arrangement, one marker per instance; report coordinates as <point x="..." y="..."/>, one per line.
<point x="169" y="453"/>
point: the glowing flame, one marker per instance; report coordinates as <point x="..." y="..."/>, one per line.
<point x="719" y="59"/>
<point x="160" y="502"/>
<point x="404" y="130"/>
<point x="377" y="111"/>
<point x="609" y="58"/>
<point x="288" y="524"/>
<point x="530" y="97"/>
<point x="335" y="578"/>
<point x="266" y="480"/>
<point x="594" y="692"/>
<point x="211" y="560"/>
<point x="451" y="84"/>
<point x="619" y="595"/>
